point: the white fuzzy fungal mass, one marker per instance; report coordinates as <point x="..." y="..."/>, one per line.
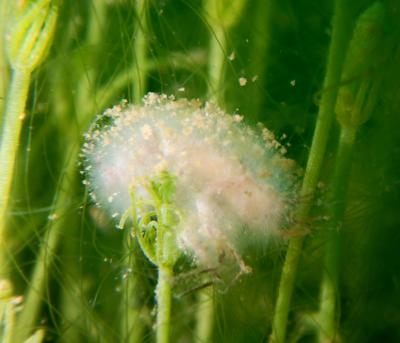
<point x="228" y="176"/>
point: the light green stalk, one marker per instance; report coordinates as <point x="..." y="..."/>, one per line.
<point x="221" y="17"/>
<point x="354" y="106"/>
<point x="132" y="326"/>
<point x="27" y="44"/>
<point x="163" y="295"/>
<point x="37" y="337"/>
<point x="260" y="50"/>
<point x="4" y="72"/>
<point x="34" y="297"/>
<point x="314" y="163"/>
<point x="204" y="315"/>
<point x="217" y="55"/>
<point x="157" y="239"/>
<point x="27" y="319"/>
<point x="73" y="310"/>
<point x="327" y="320"/>
<point x="12" y="125"/>
<point x="7" y="313"/>
<point x="85" y="96"/>
<point x="140" y="50"/>
<point x="180" y="61"/>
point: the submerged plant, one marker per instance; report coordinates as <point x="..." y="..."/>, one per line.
<point x="27" y="43"/>
<point x="198" y="180"/>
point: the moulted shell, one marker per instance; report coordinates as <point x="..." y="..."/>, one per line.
<point x="228" y="175"/>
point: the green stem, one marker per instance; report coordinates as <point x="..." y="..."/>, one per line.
<point x="97" y="21"/>
<point x="129" y="75"/>
<point x="4" y="72"/>
<point x="27" y="45"/>
<point x="72" y="310"/>
<point x="33" y="299"/>
<point x="140" y="51"/>
<point x="354" y="106"/>
<point x="14" y="115"/>
<point x="9" y="320"/>
<point x="314" y="164"/>
<point x="204" y="315"/>
<point x="163" y="298"/>
<point x="329" y="294"/>
<point x="260" y="50"/>
<point x="132" y="327"/>
<point x="222" y="16"/>
<point x="85" y="100"/>
<point x="216" y="59"/>
<point x="161" y="248"/>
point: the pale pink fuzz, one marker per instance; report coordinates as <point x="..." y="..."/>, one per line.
<point x="229" y="177"/>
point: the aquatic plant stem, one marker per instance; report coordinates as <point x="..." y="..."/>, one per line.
<point x="205" y="298"/>
<point x="329" y="294"/>
<point x="205" y="314"/>
<point x="216" y="58"/>
<point x="261" y="51"/>
<point x="29" y="313"/>
<point x="219" y="22"/>
<point x="85" y="99"/>
<point x="221" y="16"/>
<point x="157" y="239"/>
<point x="10" y="137"/>
<point x="27" y="43"/>
<point x="163" y="298"/>
<point x="314" y="164"/>
<point x="217" y="54"/>
<point x="132" y="326"/>
<point x="354" y="105"/>
<point x="4" y="72"/>
<point x="140" y="51"/>
<point x="107" y="93"/>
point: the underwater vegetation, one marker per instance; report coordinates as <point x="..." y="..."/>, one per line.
<point x="199" y="171"/>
